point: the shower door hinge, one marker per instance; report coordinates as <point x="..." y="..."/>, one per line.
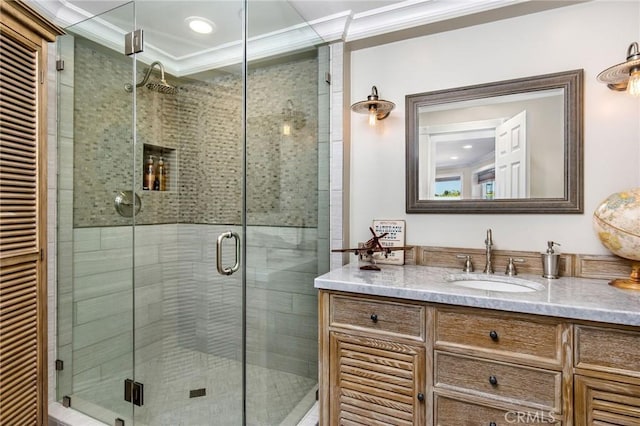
<point x="60" y="65"/>
<point x="327" y="77"/>
<point x="134" y="392"/>
<point x="133" y="42"/>
<point x="59" y="365"/>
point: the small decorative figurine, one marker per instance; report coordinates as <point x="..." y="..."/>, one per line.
<point x="369" y="248"/>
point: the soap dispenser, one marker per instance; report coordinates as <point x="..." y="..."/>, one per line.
<point x="550" y="261"/>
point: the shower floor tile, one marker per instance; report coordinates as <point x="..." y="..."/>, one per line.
<point x="273" y="397"/>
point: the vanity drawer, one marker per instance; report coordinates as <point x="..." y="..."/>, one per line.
<point x="511" y="383"/>
<point x="453" y="412"/>
<point x="607" y="349"/>
<point x="383" y="316"/>
<point x="512" y="335"/>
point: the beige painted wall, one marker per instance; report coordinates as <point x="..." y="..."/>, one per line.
<point x="591" y="36"/>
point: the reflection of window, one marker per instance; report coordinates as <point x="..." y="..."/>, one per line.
<point x="448" y="187"/>
<point x="487" y="191"/>
<point x="486" y="179"/>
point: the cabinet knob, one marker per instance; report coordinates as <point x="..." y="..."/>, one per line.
<point x="494" y="335"/>
<point x="493" y="380"/>
<point x="374" y="318"/>
<point x="492" y="423"/>
<point x="420" y="397"/>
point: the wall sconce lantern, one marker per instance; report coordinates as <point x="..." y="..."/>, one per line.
<point x="378" y="109"/>
<point x="291" y="119"/>
<point x="624" y="76"/>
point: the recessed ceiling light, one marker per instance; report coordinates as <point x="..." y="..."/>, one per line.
<point x="453" y="157"/>
<point x="468" y="146"/>
<point x="200" y="25"/>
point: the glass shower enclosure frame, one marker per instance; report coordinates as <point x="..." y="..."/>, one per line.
<point x="192" y="218"/>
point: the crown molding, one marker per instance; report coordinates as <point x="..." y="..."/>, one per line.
<point x="414" y="13"/>
<point x="345" y="26"/>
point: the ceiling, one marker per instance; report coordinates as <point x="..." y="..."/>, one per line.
<point x="274" y="26"/>
<point x="464" y="152"/>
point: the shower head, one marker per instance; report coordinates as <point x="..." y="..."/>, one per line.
<point x="161" y="87"/>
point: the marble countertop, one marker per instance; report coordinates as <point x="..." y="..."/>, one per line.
<point x="566" y="297"/>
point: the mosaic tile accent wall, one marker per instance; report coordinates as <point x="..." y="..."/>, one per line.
<point x="210" y="151"/>
<point x="282" y="171"/>
<point x="203" y="124"/>
<point x="102" y="132"/>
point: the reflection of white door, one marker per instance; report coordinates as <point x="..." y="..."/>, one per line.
<point x="426" y="166"/>
<point x="512" y="171"/>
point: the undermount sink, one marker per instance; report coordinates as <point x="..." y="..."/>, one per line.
<point x="495" y="283"/>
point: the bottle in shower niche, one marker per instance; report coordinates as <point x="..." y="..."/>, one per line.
<point x="165" y="174"/>
<point x="161" y="175"/>
<point x="149" y="174"/>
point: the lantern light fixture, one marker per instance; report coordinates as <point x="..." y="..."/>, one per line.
<point x="291" y="119"/>
<point x="626" y="75"/>
<point x="376" y="108"/>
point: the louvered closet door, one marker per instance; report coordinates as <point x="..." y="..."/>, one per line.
<point x="21" y="321"/>
<point x="376" y="382"/>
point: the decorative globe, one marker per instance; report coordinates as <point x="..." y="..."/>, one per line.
<point x="617" y="222"/>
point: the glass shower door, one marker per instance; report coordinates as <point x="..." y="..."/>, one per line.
<point x="286" y="208"/>
<point x="239" y="142"/>
<point x="189" y="172"/>
<point x="95" y="269"/>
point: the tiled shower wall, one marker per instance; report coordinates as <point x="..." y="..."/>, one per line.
<point x="180" y="299"/>
<point x="202" y="123"/>
<point x="179" y="296"/>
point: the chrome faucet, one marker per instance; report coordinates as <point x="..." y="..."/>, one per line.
<point x="488" y="243"/>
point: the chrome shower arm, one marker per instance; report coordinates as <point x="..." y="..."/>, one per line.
<point x="148" y="73"/>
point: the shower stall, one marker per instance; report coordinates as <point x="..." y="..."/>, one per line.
<point x="192" y="214"/>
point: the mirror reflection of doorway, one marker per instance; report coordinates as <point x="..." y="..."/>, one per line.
<point x="488" y="157"/>
<point x="512" y="158"/>
<point x="463" y="149"/>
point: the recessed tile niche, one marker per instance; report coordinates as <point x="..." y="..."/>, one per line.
<point x="153" y="156"/>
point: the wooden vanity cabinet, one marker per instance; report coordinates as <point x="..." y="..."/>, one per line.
<point x="373" y="361"/>
<point x="499" y="368"/>
<point x="607" y="375"/>
<point x="395" y="362"/>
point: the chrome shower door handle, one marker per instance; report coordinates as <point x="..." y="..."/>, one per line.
<point x="226" y="270"/>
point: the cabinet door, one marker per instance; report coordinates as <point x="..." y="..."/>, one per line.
<point x="604" y="402"/>
<point x="376" y="382"/>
